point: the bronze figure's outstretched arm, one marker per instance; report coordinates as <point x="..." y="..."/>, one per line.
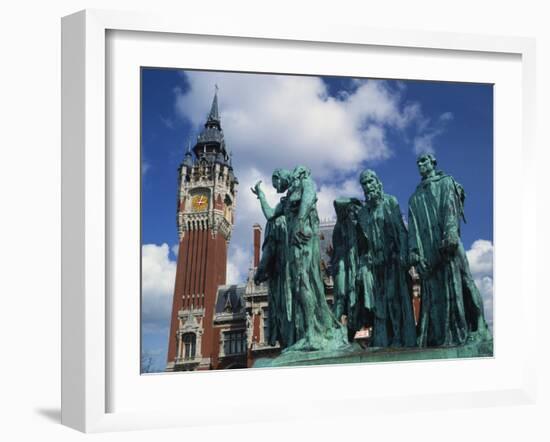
<point x="269" y="212"/>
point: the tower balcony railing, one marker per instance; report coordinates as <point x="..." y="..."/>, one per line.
<point x="183" y="364"/>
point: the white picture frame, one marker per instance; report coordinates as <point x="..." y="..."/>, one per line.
<point x="86" y="204"/>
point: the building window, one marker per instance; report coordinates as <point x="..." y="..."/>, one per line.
<point x="190" y="345"/>
<point x="265" y="314"/>
<point x="234" y="342"/>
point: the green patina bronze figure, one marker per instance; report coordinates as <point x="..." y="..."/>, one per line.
<point x="351" y="308"/>
<point x="385" y="257"/>
<point x="452" y="309"/>
<point x="301" y="318"/>
<point x="370" y="266"/>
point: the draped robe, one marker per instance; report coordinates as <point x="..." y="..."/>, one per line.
<point x="385" y="259"/>
<point x="452" y="308"/>
<point x="302" y="319"/>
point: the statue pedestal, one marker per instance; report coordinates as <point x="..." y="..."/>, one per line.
<point x="355" y="354"/>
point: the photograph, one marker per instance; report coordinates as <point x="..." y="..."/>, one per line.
<point x="299" y="220"/>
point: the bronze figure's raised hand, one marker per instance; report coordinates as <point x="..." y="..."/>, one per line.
<point x="256" y="190"/>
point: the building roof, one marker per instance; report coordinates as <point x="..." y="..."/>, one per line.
<point x="230" y="299"/>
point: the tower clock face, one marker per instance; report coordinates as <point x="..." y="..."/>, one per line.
<point x="199" y="203"/>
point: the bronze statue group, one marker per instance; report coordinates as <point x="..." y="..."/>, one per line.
<point x="373" y="251"/>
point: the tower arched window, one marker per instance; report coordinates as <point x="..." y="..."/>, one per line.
<point x="189" y="345"/>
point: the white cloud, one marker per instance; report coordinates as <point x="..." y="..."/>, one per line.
<point x="424" y="141"/>
<point x="328" y="193"/>
<point x="282" y="121"/>
<point x="238" y="263"/>
<point x="157" y="282"/>
<point x="175" y="249"/>
<point x="480" y="258"/>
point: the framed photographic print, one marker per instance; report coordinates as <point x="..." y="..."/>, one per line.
<point x="260" y="200"/>
<point x="236" y="301"/>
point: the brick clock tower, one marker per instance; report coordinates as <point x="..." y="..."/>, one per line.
<point x="205" y="217"/>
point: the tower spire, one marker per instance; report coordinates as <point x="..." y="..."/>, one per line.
<point x="214" y="115"/>
<point x="210" y="141"/>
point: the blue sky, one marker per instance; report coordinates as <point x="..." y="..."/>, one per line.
<point x="337" y="127"/>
